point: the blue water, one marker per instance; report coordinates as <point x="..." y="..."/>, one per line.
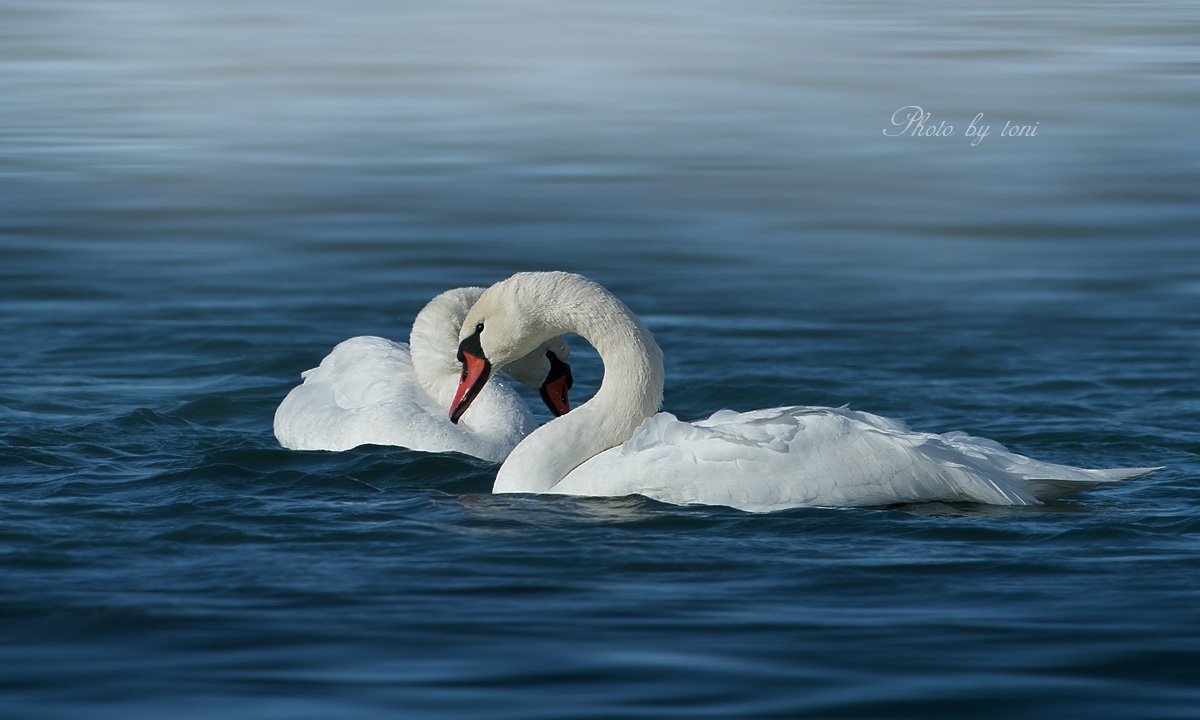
<point x="198" y="200"/>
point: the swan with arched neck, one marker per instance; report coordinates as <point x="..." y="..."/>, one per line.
<point x="616" y="444"/>
<point x="370" y="390"/>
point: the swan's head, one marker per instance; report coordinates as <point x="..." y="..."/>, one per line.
<point x="508" y="323"/>
<point x="434" y="341"/>
<point x="546" y="370"/>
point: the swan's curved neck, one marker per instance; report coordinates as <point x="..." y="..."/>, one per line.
<point x="433" y="342"/>
<point x="630" y="392"/>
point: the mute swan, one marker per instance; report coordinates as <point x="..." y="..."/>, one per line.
<point x="372" y="390"/>
<point x="615" y="444"/>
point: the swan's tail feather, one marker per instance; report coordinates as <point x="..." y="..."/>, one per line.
<point x="1047" y="489"/>
<point x="1042" y="480"/>
<point x="1113" y="476"/>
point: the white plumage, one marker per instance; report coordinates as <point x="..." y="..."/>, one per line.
<point x="815" y="456"/>
<point x="370" y="390"/>
<point x="615" y="444"/>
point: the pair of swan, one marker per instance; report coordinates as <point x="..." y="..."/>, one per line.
<point x="370" y="390"/>
<point x="617" y="443"/>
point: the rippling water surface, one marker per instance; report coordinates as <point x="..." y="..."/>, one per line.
<point x="198" y="200"/>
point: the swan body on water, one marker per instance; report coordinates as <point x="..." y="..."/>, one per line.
<point x="370" y="390"/>
<point x="617" y="443"/>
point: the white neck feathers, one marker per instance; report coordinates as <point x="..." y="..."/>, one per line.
<point x="433" y="342"/>
<point x="558" y="303"/>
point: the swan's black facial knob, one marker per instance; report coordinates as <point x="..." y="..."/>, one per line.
<point x="558" y="381"/>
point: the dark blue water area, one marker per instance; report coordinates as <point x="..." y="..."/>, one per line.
<point x="199" y="200"/>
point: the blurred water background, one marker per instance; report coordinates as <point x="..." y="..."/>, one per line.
<point x="198" y="200"/>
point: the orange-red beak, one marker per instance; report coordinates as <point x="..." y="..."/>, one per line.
<point x="475" y="373"/>
<point x="558" y="382"/>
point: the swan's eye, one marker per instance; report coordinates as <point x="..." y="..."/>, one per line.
<point x="479" y="328"/>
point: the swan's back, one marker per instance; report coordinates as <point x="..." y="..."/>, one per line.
<point x="808" y="456"/>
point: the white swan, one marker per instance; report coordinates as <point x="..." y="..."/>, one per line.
<point x="615" y="444"/>
<point x="372" y="390"/>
